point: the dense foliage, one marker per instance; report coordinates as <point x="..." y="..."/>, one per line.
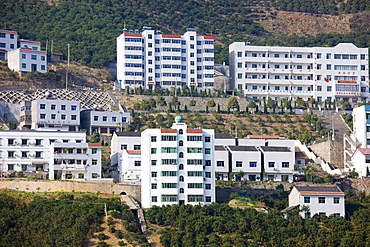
<point x="37" y="220"/>
<point x="221" y="225"/>
<point x="91" y="26"/>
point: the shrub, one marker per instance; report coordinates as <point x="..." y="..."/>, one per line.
<point x="119" y="234"/>
<point x="101" y="236"/>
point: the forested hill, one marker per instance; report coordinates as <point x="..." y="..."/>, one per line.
<point x="91" y="26"/>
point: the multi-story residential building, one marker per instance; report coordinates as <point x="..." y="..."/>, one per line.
<point x="256" y="158"/>
<point x="174" y="166"/>
<point x="8" y="42"/>
<point x="151" y="59"/>
<point x="324" y="73"/>
<point x="357" y="144"/>
<point x="123" y="141"/>
<point x="60" y="155"/>
<point x="320" y="200"/>
<point x="103" y="121"/>
<point x="50" y="114"/>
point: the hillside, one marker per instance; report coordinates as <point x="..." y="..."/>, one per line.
<point x="91" y="27"/>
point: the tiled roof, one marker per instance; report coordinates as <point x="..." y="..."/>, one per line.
<point x="319" y="189"/>
<point x="364" y="150"/>
<point x="275" y="149"/>
<point x="133" y="151"/>
<point x="128" y="133"/>
<point x="94" y="144"/>
<point x="191" y="131"/>
<point x="242" y="148"/>
<point x="168" y="131"/>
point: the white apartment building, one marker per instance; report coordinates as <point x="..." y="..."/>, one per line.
<point x="123" y="141"/>
<point x="320" y="200"/>
<point x="255" y="158"/>
<point x="339" y="72"/>
<point x="59" y="154"/>
<point x="151" y="59"/>
<point x="103" y="121"/>
<point x="357" y="144"/>
<point x="27" y="60"/>
<point x="50" y="114"/>
<point x="8" y="42"/>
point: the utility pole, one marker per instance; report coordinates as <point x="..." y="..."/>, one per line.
<point x="67" y="67"/>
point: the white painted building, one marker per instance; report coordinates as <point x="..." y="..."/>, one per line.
<point x="51" y="114"/>
<point x="151" y="59"/>
<point x="8" y="42"/>
<point x="61" y="155"/>
<point x="103" y="121"/>
<point x="339" y="72"/>
<point x="255" y="158"/>
<point x="123" y="141"/>
<point x="320" y="200"/>
<point x="357" y="144"/>
<point x="28" y="57"/>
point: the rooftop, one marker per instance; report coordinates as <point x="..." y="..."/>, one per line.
<point x="223" y="136"/>
<point x="275" y="149"/>
<point x="364" y="150"/>
<point x="319" y="189"/>
<point x="131" y="133"/>
<point x="219" y="148"/>
<point x="242" y="148"/>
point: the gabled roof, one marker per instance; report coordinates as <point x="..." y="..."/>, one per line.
<point x="243" y="148"/>
<point x="319" y="190"/>
<point x="131" y="133"/>
<point x="275" y="149"/>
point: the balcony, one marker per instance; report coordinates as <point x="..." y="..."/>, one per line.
<point x="70" y="167"/>
<point x="278" y="92"/>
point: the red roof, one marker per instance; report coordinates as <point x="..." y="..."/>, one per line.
<point x="133" y="34"/>
<point x="133" y="151"/>
<point x="168" y="131"/>
<point x="29" y="41"/>
<point x="347" y="82"/>
<point x="263" y="137"/>
<point x="194" y="131"/>
<point x="364" y="150"/>
<point x="7" y="31"/>
<point x="91" y="144"/>
<point x="32" y="51"/>
<point x="171" y="36"/>
<point x="208" y="37"/>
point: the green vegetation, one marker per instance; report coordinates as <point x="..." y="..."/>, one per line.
<point x="91" y="27"/>
<point x="221" y="225"/>
<point x="348" y="119"/>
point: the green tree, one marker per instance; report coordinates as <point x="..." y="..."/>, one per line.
<point x="192" y="102"/>
<point x="233" y="103"/>
<point x="95" y="137"/>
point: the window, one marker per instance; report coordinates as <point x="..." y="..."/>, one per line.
<point x="307" y="199"/>
<point x="181" y="132"/>
<point x="105" y="118"/>
<point x="168" y="138"/>
<point x="94" y="162"/>
<point x="181" y="143"/>
<point x="271" y="164"/>
<point x="336" y="200"/>
<point x="123" y="147"/>
<point x="42" y="116"/>
<point x="137" y="147"/>
<point x="23" y="56"/>
<point x="38" y="154"/>
<point x="318" y="55"/>
<point x="208" y="198"/>
<point x="181" y="167"/>
<point x="207" y="139"/>
<point x="154" y="174"/>
<point x="11" y="167"/>
<point x="194" y="162"/>
<point x="53" y="116"/>
<point x="328" y="56"/>
<point x="137" y="163"/>
<point x="42" y="106"/>
<point x="328" y="67"/>
<point x="207" y="163"/>
<point x="181" y="190"/>
<point x="169" y="173"/>
<point x="153" y="150"/>
<point x="2" y="35"/>
<point x="73" y="117"/>
<point x="240" y="54"/>
<point x="24" y="154"/>
<point x="328" y="88"/>
<point x="239" y="163"/>
<point x="285" y="164"/>
<point x="252" y="164"/>
<point x="63" y="107"/>
<point x="154" y="162"/>
<point x="194" y="138"/>
<point x="94" y="151"/>
<point x="220" y="163"/>
<point x="11" y="154"/>
<point x="195" y="185"/>
<point x="240" y="65"/>
<point x="24" y="167"/>
<point x="319" y="88"/>
<point x="195" y="174"/>
<point x="33" y="57"/>
<point x="154" y="199"/>
<point x="38" y="142"/>
<point x="168" y="150"/>
<point x="73" y="108"/>
<point x="169" y="198"/>
<point x="181" y="155"/>
<point x="207" y="174"/>
<point x="181" y="178"/>
<point x="207" y="151"/>
<point x="321" y="199"/>
<point x="154" y="186"/>
<point x="208" y="186"/>
<point x="319" y="66"/>
<point x="362" y="56"/>
<point x="24" y="66"/>
<point x="42" y="58"/>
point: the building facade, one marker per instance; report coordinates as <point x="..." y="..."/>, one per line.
<point x="103" y="121"/>
<point x="318" y="200"/>
<point x="8" y="42"/>
<point x="50" y="114"/>
<point x="59" y="155"/>
<point x="151" y="59"/>
<point x="324" y="73"/>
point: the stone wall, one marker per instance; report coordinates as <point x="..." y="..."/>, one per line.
<point x="330" y="151"/>
<point x="49" y="186"/>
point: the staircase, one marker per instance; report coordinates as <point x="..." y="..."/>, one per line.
<point x="333" y="120"/>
